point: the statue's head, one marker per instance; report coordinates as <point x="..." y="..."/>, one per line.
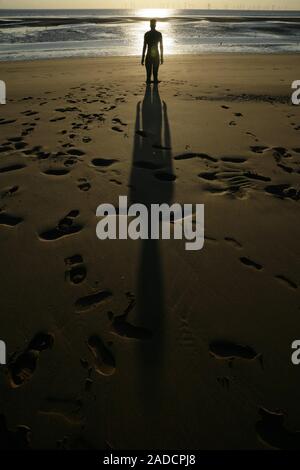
<point x="153" y="23"/>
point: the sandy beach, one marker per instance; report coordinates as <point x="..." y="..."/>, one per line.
<point x="127" y="344"/>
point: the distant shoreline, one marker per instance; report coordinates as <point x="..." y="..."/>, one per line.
<point x="61" y="21"/>
<point x="137" y="57"/>
<point x="171" y="57"/>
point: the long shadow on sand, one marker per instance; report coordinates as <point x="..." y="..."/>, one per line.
<point x="149" y="184"/>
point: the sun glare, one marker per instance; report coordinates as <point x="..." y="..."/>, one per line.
<point x="165" y="27"/>
<point x="154" y="13"/>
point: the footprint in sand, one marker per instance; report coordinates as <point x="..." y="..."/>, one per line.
<point x="93" y="300"/>
<point x="282" y="156"/>
<point x="5" y="149"/>
<point x="30" y="113"/>
<point x="252" y="135"/>
<point x="25" y="133"/>
<point x="250" y="263"/>
<point x="22" y="367"/>
<point x="210" y="239"/>
<point x="84" y="185"/>
<point x="190" y="155"/>
<point x="41" y="155"/>
<point x="15" y="139"/>
<point x="70" y="162"/>
<point x="119" y="121"/>
<point x="15" y="167"/>
<point x="286" y="168"/>
<point x="233" y="181"/>
<point x="76" y="270"/>
<point x="280" y="152"/>
<point x="164" y="176"/>
<point x="3" y="122"/>
<point x="119" y="183"/>
<point x="208" y="175"/>
<point x="234" y="159"/>
<point x="117" y="129"/>
<point x="61" y="118"/>
<point x="9" y="220"/>
<point x="141" y="133"/>
<point x="76" y="152"/>
<point x="256" y="176"/>
<point x="226" y="350"/>
<point x="104" y="360"/>
<point x="9" y="192"/>
<point x="124" y="329"/>
<point x="258" y="148"/>
<point x="103" y="162"/>
<point x="233" y="242"/>
<point x="56" y="172"/>
<point x="21" y="145"/>
<point x="110" y="108"/>
<point x="283" y="191"/>
<point x="147" y="165"/>
<point x="67" y="110"/>
<point x="286" y="281"/>
<point x="65" y="227"/>
<point x="271" y="430"/>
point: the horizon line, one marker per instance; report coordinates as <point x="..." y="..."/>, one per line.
<point x="195" y="9"/>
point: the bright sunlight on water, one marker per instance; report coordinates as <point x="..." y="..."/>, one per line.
<point x="166" y="28"/>
<point x="154" y="13"/>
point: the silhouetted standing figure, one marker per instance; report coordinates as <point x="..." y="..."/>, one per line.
<point x="152" y="42"/>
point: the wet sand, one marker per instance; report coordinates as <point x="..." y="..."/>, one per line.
<point x="140" y="344"/>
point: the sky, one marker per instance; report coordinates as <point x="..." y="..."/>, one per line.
<point x="240" y="4"/>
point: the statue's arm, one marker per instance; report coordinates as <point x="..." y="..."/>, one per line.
<point x="161" y="50"/>
<point x="144" y="51"/>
